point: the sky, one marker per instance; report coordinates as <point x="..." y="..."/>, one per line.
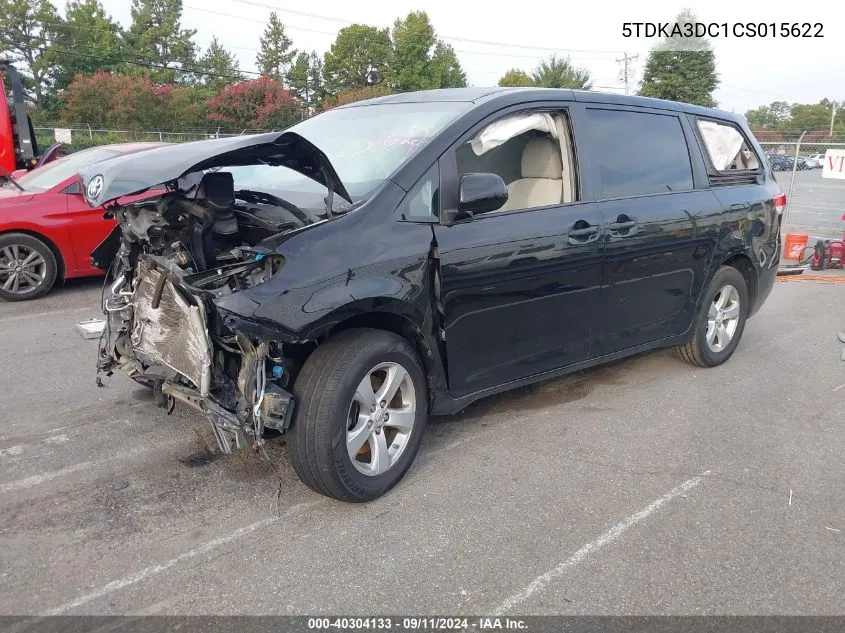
<point x="753" y="71"/>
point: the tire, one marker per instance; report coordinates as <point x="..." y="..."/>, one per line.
<point x="330" y="410"/>
<point x="699" y="351"/>
<point x="16" y="248"/>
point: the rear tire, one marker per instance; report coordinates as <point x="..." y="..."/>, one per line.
<point x="344" y="443"/>
<point x="27" y="267"/>
<point x="720" y="321"/>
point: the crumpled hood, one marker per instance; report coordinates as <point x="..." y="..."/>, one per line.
<point x="125" y="175"/>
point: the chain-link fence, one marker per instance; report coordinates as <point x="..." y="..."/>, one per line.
<point x="80" y="137"/>
<point x="815" y="205"/>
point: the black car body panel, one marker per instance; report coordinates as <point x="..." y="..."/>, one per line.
<point x="501" y="299"/>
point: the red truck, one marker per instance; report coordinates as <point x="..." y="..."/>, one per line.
<point x="18" y="147"/>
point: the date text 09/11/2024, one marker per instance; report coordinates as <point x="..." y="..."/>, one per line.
<point x="417" y="623"/>
<point x="723" y="29"/>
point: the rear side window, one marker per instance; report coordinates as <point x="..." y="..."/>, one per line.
<point x="726" y="146"/>
<point x="639" y="153"/>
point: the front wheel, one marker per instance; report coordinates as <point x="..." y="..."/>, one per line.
<point x="720" y="320"/>
<point x="361" y="410"/>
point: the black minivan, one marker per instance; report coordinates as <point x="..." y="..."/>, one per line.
<point x="342" y="280"/>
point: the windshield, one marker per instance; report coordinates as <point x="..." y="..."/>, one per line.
<point x="364" y="144"/>
<point x="61" y="169"/>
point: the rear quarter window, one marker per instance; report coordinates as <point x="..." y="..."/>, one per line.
<point x="726" y="146"/>
<point x="639" y="153"/>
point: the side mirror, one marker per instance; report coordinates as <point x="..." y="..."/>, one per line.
<point x="480" y="193"/>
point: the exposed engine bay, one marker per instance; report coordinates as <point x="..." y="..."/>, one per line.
<point x="178" y="253"/>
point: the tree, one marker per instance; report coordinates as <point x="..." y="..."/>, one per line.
<point x="89" y="39"/>
<point x="352" y="95"/>
<point x="111" y="100"/>
<point x="681" y="68"/>
<point x="221" y="66"/>
<point x="259" y="104"/>
<point x="809" y="117"/>
<point x="560" y="73"/>
<point x="274" y="56"/>
<point x="317" y="88"/>
<point x="516" y="78"/>
<point x="768" y="117"/>
<point x="419" y="60"/>
<point x="27" y="32"/>
<point x="358" y="57"/>
<point x="445" y="67"/>
<point x="156" y="38"/>
<point x="299" y="78"/>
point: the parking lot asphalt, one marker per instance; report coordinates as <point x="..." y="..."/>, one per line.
<point x="817" y="204"/>
<point x="643" y="487"/>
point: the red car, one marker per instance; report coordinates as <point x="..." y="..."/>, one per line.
<point x="47" y="230"/>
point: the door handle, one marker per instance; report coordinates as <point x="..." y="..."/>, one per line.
<point x="623" y="227"/>
<point x="585" y="235"/>
<point x="740" y="206"/>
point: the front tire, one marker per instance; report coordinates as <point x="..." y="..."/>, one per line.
<point x="361" y="410"/>
<point x="720" y="321"/>
<point x="27" y="267"/>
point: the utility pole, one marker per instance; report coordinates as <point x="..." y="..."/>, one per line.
<point x="832" y="116"/>
<point x="624" y="61"/>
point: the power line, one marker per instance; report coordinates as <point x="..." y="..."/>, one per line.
<point x="625" y="61"/>
<point x="443" y="37"/>
<point x="149" y="65"/>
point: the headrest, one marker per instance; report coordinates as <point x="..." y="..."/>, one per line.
<point x="218" y="188"/>
<point x="541" y="159"/>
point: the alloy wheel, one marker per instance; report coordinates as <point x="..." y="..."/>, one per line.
<point x="22" y="269"/>
<point x="380" y="418"/>
<point x="723" y="318"/>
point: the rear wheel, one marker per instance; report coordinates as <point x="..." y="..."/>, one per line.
<point x="27" y="267"/>
<point x="361" y="410"/>
<point x="720" y="321"/>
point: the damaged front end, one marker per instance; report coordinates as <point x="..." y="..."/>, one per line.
<point x="174" y="255"/>
<point x="164" y="330"/>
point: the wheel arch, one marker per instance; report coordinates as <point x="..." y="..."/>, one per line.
<point x="61" y="266"/>
<point x="742" y="262"/>
<point x="397" y="322"/>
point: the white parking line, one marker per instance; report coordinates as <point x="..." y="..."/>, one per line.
<point x="35" y="480"/>
<point x="147" y="572"/>
<point x="539" y="583"/>
<point x="22" y="317"/>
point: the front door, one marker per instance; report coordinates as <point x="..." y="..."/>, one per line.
<point x="519" y="286"/>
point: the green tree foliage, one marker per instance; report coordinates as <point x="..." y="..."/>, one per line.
<point x="27" y="33"/>
<point x="561" y="73"/>
<point x="516" y="78"/>
<point x="156" y="38"/>
<point x="681" y="68"/>
<point x="299" y="77"/>
<point x="221" y="66"/>
<point x="317" y="87"/>
<point x="446" y="68"/>
<point x="789" y="120"/>
<point x="768" y="117"/>
<point x="305" y="80"/>
<point x="420" y="61"/>
<point x="351" y="95"/>
<point x="115" y="101"/>
<point x="89" y="40"/>
<point x="259" y="104"/>
<point x="275" y="55"/>
<point x="359" y="57"/>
